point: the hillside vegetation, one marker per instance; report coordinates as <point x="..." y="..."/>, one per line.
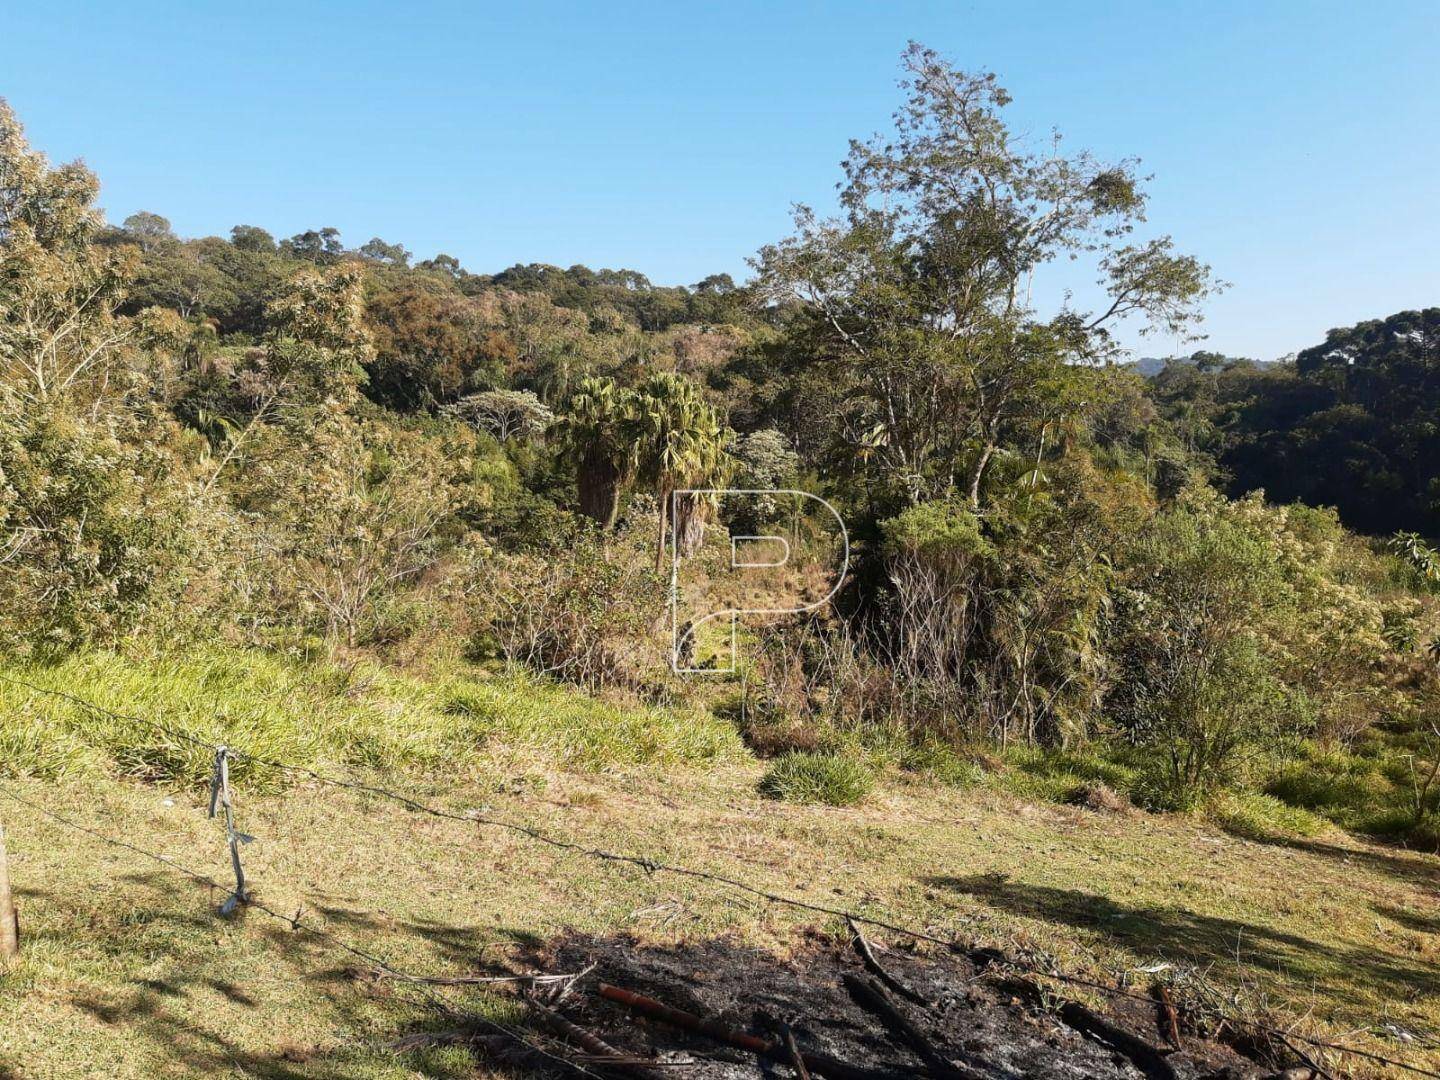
<point x="353" y="511"/>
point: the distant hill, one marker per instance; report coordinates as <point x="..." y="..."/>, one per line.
<point x="1150" y="366"/>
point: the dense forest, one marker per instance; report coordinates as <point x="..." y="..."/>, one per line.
<point x="1217" y="578"/>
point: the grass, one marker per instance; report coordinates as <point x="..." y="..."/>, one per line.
<point x="128" y="972"/>
<point x="831" y="779"/>
<point x="319" y="715"/>
<point x="1061" y="775"/>
<point x="1263" y="817"/>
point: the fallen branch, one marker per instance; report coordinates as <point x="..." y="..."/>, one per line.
<point x="818" y="1064"/>
<point x="599" y="1050"/>
<point x="867" y="954"/>
<point x="871" y="995"/>
<point x="787" y="1034"/>
<point x="476" y="980"/>
<point x="1145" y="1057"/>
<point x="797" y="1059"/>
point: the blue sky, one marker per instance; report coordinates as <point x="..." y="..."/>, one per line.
<point x="1294" y="145"/>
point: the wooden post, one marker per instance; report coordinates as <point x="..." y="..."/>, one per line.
<point x="9" y="920"/>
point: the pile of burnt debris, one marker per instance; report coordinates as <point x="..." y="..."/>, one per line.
<point x="722" y="1010"/>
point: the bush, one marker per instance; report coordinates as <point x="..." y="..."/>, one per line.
<point x="1261" y="817"/>
<point x="1201" y="637"/>
<point x="832" y="779"/>
<point x="94" y="530"/>
<point x="586" y="610"/>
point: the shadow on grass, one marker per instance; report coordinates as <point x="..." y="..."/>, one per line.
<point x="195" y="1040"/>
<point x="1411" y="867"/>
<point x="1411" y="920"/>
<point x="186" y="1014"/>
<point x="1204" y="940"/>
<point x="202" y="1048"/>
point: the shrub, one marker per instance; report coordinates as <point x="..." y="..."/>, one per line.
<point x="832" y="779"/>
<point x="585" y="610"/>
<point x="94" y="530"/>
<point x="1200" y="638"/>
<point x="1261" y="817"/>
<point x="349" y="513"/>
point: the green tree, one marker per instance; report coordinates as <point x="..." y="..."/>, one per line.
<point x="598" y="429"/>
<point x="59" y="291"/>
<point x="315" y="352"/>
<point x="916" y="302"/>
<point x="681" y="445"/>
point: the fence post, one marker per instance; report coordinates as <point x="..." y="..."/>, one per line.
<point x="220" y="797"/>
<point x="9" y="917"/>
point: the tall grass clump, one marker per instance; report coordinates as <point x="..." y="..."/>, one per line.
<point x="526" y="716"/>
<point x="832" y="779"/>
<point x="1262" y="817"/>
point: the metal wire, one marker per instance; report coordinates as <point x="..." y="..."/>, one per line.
<point x="650" y="866"/>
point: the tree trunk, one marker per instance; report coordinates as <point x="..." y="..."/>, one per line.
<point x="598" y="482"/>
<point x="662" y="515"/>
<point x="979" y="474"/>
<point x="690" y="521"/>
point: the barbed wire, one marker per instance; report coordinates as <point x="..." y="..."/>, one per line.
<point x="653" y="866"/>
<point x="422" y="983"/>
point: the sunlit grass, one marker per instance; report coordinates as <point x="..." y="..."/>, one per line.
<point x="317" y="715"/>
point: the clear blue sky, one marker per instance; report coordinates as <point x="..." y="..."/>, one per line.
<point x="1295" y="145"/>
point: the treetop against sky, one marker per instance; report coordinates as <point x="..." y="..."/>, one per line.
<point x="1291" y="143"/>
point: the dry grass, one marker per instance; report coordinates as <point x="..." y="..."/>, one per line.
<point x="127" y="971"/>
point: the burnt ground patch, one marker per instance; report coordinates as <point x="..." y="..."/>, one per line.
<point x="975" y="1019"/>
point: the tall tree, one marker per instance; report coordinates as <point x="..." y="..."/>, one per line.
<point x="58" y="290"/>
<point x="916" y="302"/>
<point x="681" y="445"/>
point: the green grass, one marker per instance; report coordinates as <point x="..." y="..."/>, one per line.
<point x="831" y="779"/>
<point x="1061" y="775"/>
<point x="127" y="971"/>
<point x="322" y="715"/>
<point x="940" y="764"/>
<point x="1263" y="817"/>
<point x="1368" y="791"/>
<point x="577" y="732"/>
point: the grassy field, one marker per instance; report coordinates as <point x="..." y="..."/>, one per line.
<point x="128" y="972"/>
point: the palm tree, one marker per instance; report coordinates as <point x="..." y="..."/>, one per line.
<point x="682" y="445"/>
<point x="599" y="430"/>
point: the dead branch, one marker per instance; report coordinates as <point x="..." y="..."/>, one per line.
<point x="862" y="946"/>
<point x="601" y="1051"/>
<point x="1146" y="1058"/>
<point x="871" y="995"/>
